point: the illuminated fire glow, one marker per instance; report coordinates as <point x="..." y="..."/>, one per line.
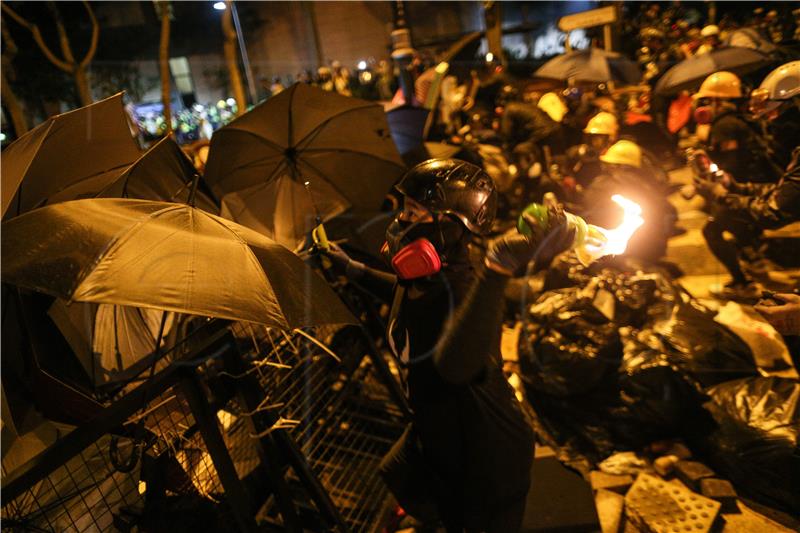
<point x="603" y="241"/>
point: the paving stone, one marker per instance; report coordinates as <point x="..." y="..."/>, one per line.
<point x="691" y="472"/>
<point x="658" y="506"/>
<point x="617" y="483"/>
<point x="610" y="508"/>
<point x="664" y="466"/>
<point x="720" y="490"/>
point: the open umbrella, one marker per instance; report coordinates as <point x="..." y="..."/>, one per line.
<point x="301" y="153"/>
<point x="690" y="73"/>
<point x="592" y="65"/>
<point x="109" y="340"/>
<point x="165" y="173"/>
<point x="750" y="38"/>
<point x="165" y="256"/>
<point x="88" y="146"/>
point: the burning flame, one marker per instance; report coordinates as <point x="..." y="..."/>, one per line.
<point x="601" y="241"/>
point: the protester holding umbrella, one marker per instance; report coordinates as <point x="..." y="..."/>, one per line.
<point x="469" y="449"/>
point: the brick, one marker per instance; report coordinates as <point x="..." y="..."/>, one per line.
<point x="617" y="483"/>
<point x="610" y="507"/>
<point x="720" y="490"/>
<point x="664" y="466"/>
<point x="691" y="472"/>
<point x="658" y="506"/>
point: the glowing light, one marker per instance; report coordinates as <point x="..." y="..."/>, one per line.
<point x="713" y="167"/>
<point x="601" y="241"/>
<point x="617" y="238"/>
<point x="362" y="65"/>
<point x="219" y="6"/>
<point x="489" y="57"/>
<point x="2" y="136"/>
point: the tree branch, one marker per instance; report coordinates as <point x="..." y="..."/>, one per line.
<point x="10" y="45"/>
<point x="37" y="36"/>
<point x="95" y="36"/>
<point x="63" y="38"/>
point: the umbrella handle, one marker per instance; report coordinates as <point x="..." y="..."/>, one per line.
<point x="320" y="238"/>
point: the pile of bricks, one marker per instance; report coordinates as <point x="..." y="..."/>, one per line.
<point x="668" y="493"/>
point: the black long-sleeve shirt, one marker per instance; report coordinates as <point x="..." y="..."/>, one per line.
<point x="473" y="433"/>
<point x="468" y="420"/>
<point x="769" y="206"/>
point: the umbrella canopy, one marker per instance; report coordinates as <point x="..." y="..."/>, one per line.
<point x="690" y="73"/>
<point x="750" y="38"/>
<point x="164" y="256"/>
<point x="592" y="65"/>
<point x="108" y="340"/>
<point x="92" y="143"/>
<point x="164" y="172"/>
<point x="259" y="164"/>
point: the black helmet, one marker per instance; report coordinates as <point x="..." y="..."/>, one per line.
<point x="453" y="187"/>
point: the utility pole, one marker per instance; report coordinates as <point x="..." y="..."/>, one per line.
<point x="402" y="51"/>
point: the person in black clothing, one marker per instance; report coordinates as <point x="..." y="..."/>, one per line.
<point x="745" y="209"/>
<point x="467" y="455"/>
<point x="732" y="143"/>
<point x="776" y="103"/>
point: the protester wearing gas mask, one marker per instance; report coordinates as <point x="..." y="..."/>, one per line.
<point x="582" y="162"/>
<point x="466" y="457"/>
<point x="776" y="104"/>
<point x="746" y="209"/>
<point x="732" y="143"/>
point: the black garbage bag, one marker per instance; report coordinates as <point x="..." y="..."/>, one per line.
<point x="699" y="347"/>
<point x="756" y="441"/>
<point x="665" y="400"/>
<point x="643" y="292"/>
<point x="568" y="344"/>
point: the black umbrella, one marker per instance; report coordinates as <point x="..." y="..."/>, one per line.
<point x="592" y="65"/>
<point x="301" y="153"/>
<point x="690" y="73"/>
<point x="82" y="150"/>
<point x="164" y="256"/>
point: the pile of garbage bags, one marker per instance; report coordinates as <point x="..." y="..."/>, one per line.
<point x="617" y="355"/>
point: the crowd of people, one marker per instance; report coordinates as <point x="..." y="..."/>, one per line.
<point x="466" y="458"/>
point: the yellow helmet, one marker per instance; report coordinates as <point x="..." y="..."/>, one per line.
<point x="710" y="30"/>
<point x="602" y="123"/>
<point x="551" y="104"/>
<point x="623" y="153"/>
<point x="722" y="84"/>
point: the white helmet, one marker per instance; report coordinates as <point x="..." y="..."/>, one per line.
<point x="781" y="84"/>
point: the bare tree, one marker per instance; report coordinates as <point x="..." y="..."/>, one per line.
<point x="9" y="98"/>
<point x="232" y="59"/>
<point x="164" y="9"/>
<point x="67" y="63"/>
